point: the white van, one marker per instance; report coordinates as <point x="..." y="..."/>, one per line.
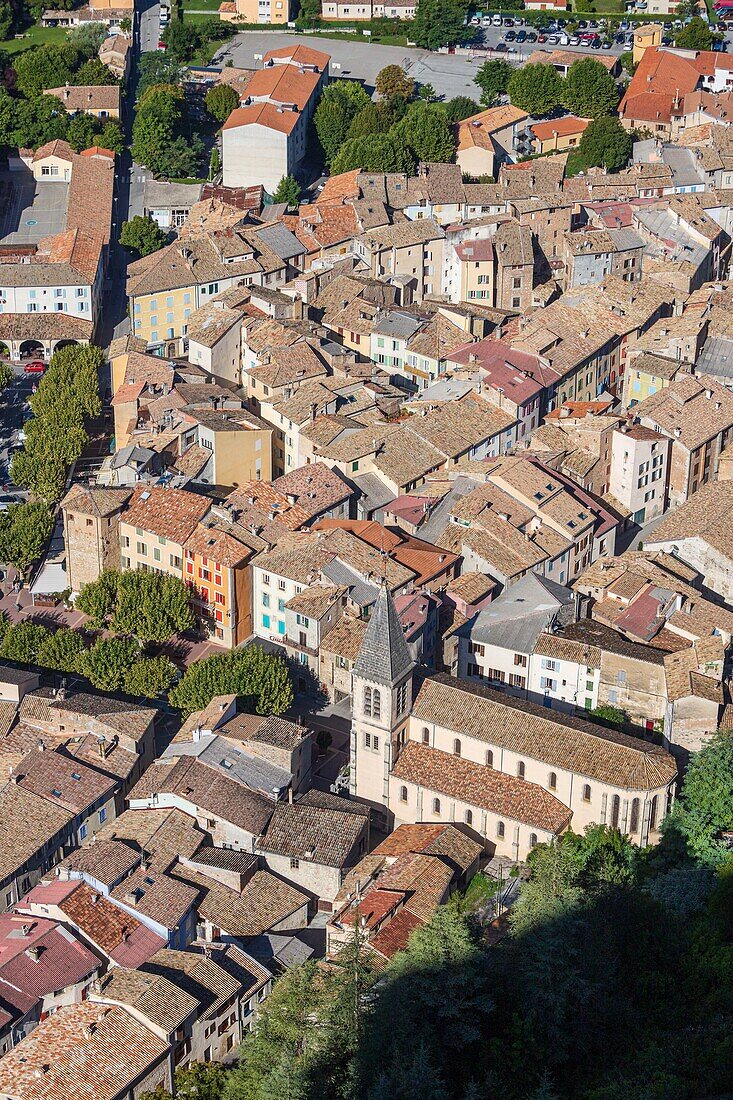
<point x="496" y="21"/>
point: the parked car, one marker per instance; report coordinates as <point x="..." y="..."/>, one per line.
<point x="582" y="25"/>
<point x="531" y="36"/>
<point x="574" y="41"/>
<point x="596" y="44"/>
<point x="541" y="38"/>
<point x="501" y="47"/>
<point x="496" y="21"/>
<point x="34" y="367"/>
<point x="510" y="36"/>
<point x="553" y="39"/>
<point x="521" y="37"/>
<point x="607" y="45"/>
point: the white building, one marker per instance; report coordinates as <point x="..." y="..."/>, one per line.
<point x="266" y="138"/>
<point x="639" y="461"/>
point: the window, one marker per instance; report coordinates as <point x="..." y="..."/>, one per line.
<point x="436" y="806"/>
<point x="403" y="794"/>
<point x="634" y="823"/>
<point x="533" y="840"/>
<point x="500" y="829"/>
<point x="402" y="698"/>
<point x="82" y="832"/>
<point x="266" y="621"/>
<point x="376" y="704"/>
<point x="425" y="735"/>
<point x="265" y="600"/>
<point x="586" y="792"/>
<point x="294" y="864"/>
<point x="489" y="758"/>
<point x="367" y="708"/>
<point x="615" y="808"/>
<point x="653" y="813"/>
<point x="552" y="781"/>
<point x="468" y="817"/>
<point x="520" y="769"/>
<point x="142" y="549"/>
<point x="103" y="815"/>
<point x="520" y="659"/>
<point x="375" y="743"/>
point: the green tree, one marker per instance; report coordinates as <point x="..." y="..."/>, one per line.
<point x="262" y="679"/>
<point x="220" y="101"/>
<point x="24" y="531"/>
<point x="696" y="35"/>
<point x="61" y="650"/>
<point x="150" y="606"/>
<point x="372" y="119"/>
<point x="111" y="137"/>
<point x="108" y="662"/>
<point x="704" y="808"/>
<point x="287" y="190"/>
<point x="87" y="38"/>
<point x="493" y="80"/>
<point x="536" y="89"/>
<point x="182" y="39"/>
<point x="426" y="132"/>
<point x="6" y="375"/>
<point x="309" y="14"/>
<point x="459" y="108"/>
<point x="200" y="1081"/>
<point x="35" y="121"/>
<point x="440" y="23"/>
<point x="377" y="153"/>
<point x="214" y="163"/>
<point x="606" y="144"/>
<point x="427" y="93"/>
<point x="81" y="131"/>
<point x="98" y="599"/>
<point x="394" y="81"/>
<point x="142" y="235"/>
<point x="22" y="641"/>
<point x="157" y="68"/>
<point x="7" y="19"/>
<point x="47" y="66"/>
<point x="149" y="677"/>
<point x="93" y="72"/>
<point x="339" y="105"/>
<point x="590" y="91"/>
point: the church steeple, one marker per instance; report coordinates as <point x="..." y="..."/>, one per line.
<point x="384" y="656"/>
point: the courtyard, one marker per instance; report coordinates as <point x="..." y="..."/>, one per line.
<point x="30" y="210"/>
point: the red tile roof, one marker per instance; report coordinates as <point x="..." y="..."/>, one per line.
<point x="560" y="127"/>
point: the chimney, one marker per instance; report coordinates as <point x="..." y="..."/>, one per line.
<point x="677" y="433"/>
<point x="33" y="953"/>
<point x="709" y="394"/>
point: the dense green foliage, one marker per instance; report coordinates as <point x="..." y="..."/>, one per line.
<point x="162" y="138"/>
<point x="392" y="81"/>
<point x="589" y="89"/>
<point x="377" y="153"/>
<point x="24" y="531"/>
<point x="108" y="662"/>
<point x="340" y="103"/>
<point x="142" y="235"/>
<point x="613" y="982"/>
<point x="220" y="101"/>
<point x="493" y="80"/>
<point x="440" y="23"/>
<point x="151" y="607"/>
<point x="696" y="35"/>
<point x="67" y="398"/>
<point x="605" y="143"/>
<point x="287" y="190"/>
<point x="459" y="108"/>
<point x="61" y="650"/>
<point x="261" y="678"/>
<point x="150" y="676"/>
<point x="157" y="68"/>
<point x="426" y="132"/>
<point x="536" y="89"/>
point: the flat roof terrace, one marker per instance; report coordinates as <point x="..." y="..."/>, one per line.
<point x="31" y="210"/>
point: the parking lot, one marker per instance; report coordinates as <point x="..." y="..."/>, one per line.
<point x="30" y="210"/>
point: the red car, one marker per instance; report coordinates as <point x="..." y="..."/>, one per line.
<point x="36" y="367"/>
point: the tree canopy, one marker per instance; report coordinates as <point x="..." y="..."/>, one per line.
<point x="142" y="235"/>
<point x="606" y="144"/>
<point x="162" y="138"/>
<point x="704" y="808"/>
<point x="376" y="153"/>
<point x="24" y="531"/>
<point x="288" y="191"/>
<point x="493" y="80"/>
<point x="220" y="101"/>
<point x="696" y="35"/>
<point x="440" y="23"/>
<point x="151" y="607"/>
<point x="394" y="81"/>
<point x="107" y="663"/>
<point x="589" y="89"/>
<point x="536" y="89"/>
<point x="340" y="103"/>
<point x="263" y="679"/>
<point x="426" y="132"/>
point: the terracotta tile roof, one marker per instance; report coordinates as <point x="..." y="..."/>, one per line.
<point x="81" y="1051"/>
<point x="393" y="935"/>
<point x="502" y="794"/>
<point x="570" y="743"/>
<point x="312" y="833"/>
<point x="43" y="822"/>
<point x="118" y="934"/>
<point x="345" y="638"/>
<point x="43" y="960"/>
<point x="93" y="97"/>
<point x="660" y="80"/>
<point x="202" y="978"/>
<point x="156" y="998"/>
<point x="63" y="780"/>
<point x="285" y="89"/>
<point x="477" y="130"/>
<point x="168" y="513"/>
<point x="567" y="126"/>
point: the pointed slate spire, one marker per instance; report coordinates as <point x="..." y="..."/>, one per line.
<point x="384" y="656"/>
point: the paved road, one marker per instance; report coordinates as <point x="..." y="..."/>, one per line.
<point x="13" y="404"/>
